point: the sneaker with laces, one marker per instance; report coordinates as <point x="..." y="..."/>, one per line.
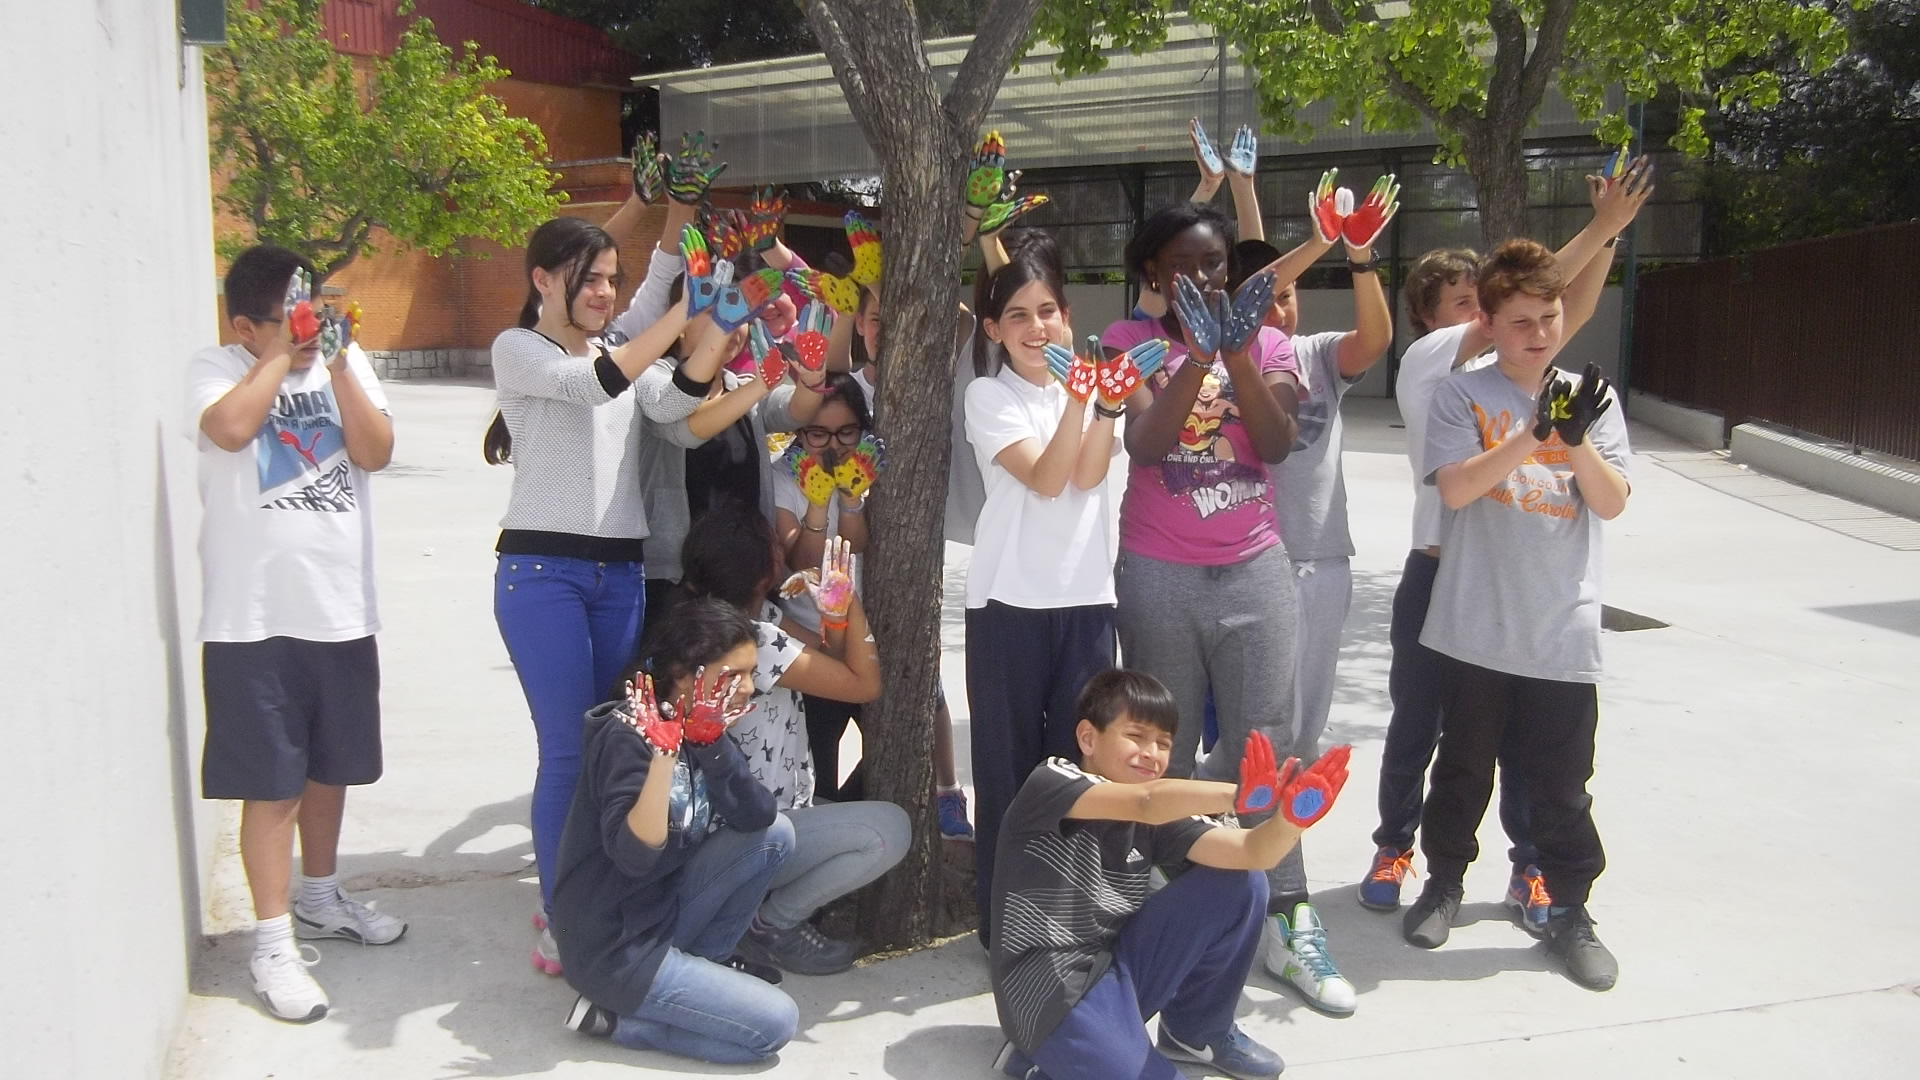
<point x="1235" y="1054"/>
<point x="589" y="1019"/>
<point x="951" y="806"/>
<point x="1570" y="937"/>
<point x="800" y="949"/>
<point x="1380" y="889"/>
<point x="1430" y="920"/>
<point x="764" y="972"/>
<point x="1528" y="897"/>
<point x="348" y="919"/>
<point x="282" y="981"/>
<point x="1296" y="954"/>
<point x="546" y="953"/>
<point x="1016" y="1064"/>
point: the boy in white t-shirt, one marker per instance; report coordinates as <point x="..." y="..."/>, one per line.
<point x="289" y="421"/>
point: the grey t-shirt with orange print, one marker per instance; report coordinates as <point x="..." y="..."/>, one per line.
<point x="1519" y="587"/>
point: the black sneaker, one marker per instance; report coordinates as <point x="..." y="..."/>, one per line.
<point x="1570" y="937"/>
<point x="590" y="1019"/>
<point x="759" y="971"/>
<point x="801" y="949"/>
<point x="1430" y="919"/>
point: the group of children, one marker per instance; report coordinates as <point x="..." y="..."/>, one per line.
<point x="679" y="595"/>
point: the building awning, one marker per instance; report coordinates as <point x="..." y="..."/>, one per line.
<point x="785" y="121"/>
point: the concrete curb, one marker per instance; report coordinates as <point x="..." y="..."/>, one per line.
<point x="1696" y="426"/>
<point x="1828" y="469"/>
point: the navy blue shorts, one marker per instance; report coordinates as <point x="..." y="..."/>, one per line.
<point x="284" y="711"/>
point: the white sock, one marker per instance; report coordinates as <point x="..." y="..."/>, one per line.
<point x="272" y="935"/>
<point x="946" y="789"/>
<point x="319" y="893"/>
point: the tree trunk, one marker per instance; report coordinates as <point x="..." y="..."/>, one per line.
<point x="1496" y="159"/>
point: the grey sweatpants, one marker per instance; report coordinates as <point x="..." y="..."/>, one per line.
<point x="1324" y="592"/>
<point x="1225" y="628"/>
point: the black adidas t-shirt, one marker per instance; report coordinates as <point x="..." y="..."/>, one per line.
<point x="1062" y="891"/>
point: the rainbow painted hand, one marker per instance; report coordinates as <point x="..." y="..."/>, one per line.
<point x="1306" y="797"/>
<point x="1121" y="375"/>
<point x="649" y="176"/>
<point x="843" y="293"/>
<point x="710" y="285"/>
<point x="712" y="711"/>
<point x="1079" y="374"/>
<point x="988" y="173"/>
<point x="692" y="172"/>
<point x="815" y="480"/>
<point x="1366" y="223"/>
<point x="644" y="715"/>
<point x="1244" y="156"/>
<point x="860" y="467"/>
<point x="1010" y="208"/>
<point x="1211" y="167"/>
<point x="303" y="323"/>
<point x="1586" y="405"/>
<point x="1329" y="206"/>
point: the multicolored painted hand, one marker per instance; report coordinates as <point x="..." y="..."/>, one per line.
<point x="1121" y="375"/>
<point x="710" y="285"/>
<point x="303" y="323"/>
<point x="1366" y="223"/>
<point x="860" y="467"/>
<point x="661" y="730"/>
<point x="764" y="215"/>
<point x="1079" y="374"/>
<point x="769" y="361"/>
<point x="1328" y="207"/>
<point x="1305" y="797"/>
<point x="1244" y="156"/>
<point x="843" y="293"/>
<point x="809" y="348"/>
<point x="1586" y="405"/>
<point x="1259" y="786"/>
<point x="1211" y="167"/>
<point x="724" y="231"/>
<point x="1617" y="164"/>
<point x="988" y="173"/>
<point x="338" y="328"/>
<point x="815" y="479"/>
<point x="649" y="174"/>
<point x="1249" y="312"/>
<point x="1552" y="404"/>
<point x="1011" y="209"/>
<point x="711" y="711"/>
<point x="692" y="171"/>
<point x="833" y="592"/>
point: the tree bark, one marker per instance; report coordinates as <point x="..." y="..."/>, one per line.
<point x="923" y="140"/>
<point x="1496" y="159"/>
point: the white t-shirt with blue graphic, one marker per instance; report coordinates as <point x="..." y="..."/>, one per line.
<point x="286" y="534"/>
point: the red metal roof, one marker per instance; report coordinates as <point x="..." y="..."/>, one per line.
<point x="535" y="45"/>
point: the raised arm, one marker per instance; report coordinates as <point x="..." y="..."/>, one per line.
<point x="1363" y="346"/>
<point x="366" y="428"/>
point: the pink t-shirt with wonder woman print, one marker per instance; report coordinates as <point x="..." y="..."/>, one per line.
<point x="1210" y="501"/>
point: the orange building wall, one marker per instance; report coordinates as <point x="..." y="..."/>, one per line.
<point x="580" y="122"/>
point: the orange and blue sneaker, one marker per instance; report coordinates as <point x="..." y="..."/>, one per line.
<point x="1380" y="889"/>
<point x="1528" y="897"/>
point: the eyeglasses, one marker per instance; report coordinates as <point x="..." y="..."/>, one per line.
<point x="818" y="437"/>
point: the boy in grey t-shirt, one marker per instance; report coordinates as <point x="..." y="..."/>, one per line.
<point x="1528" y="467"/>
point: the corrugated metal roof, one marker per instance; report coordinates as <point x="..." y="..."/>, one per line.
<point x="785" y="120"/>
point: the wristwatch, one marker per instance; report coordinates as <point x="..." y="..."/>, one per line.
<point x="1111" y="414"/>
<point x="1367" y="267"/>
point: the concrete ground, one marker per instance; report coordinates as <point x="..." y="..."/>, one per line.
<point x="1755" y="783"/>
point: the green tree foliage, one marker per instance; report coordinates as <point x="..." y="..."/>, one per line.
<point x="1839" y="149"/>
<point x="670" y="35"/>
<point x="1477" y="70"/>
<point x="318" y="158"/>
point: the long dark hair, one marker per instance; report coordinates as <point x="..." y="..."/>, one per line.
<point x="728" y="554"/>
<point x="691" y="634"/>
<point x="564" y="243"/>
<point x="1031" y="256"/>
<point x="1159" y="230"/>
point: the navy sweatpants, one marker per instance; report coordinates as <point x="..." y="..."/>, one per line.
<point x="1185" y="956"/>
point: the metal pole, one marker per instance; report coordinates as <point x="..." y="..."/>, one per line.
<point x="1220" y="89"/>
<point x="1630" y="273"/>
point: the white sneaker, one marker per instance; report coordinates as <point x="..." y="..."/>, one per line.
<point x="1296" y="954"/>
<point x="347" y="918"/>
<point x="281" y="980"/>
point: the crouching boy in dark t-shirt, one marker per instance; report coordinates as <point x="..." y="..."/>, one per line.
<point x="1081" y="953"/>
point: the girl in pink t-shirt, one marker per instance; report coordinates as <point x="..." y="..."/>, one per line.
<point x="1205" y="589"/>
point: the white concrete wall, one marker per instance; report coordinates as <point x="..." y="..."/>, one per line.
<point x="107" y="280"/>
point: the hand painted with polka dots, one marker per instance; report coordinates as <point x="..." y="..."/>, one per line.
<point x="1306" y="797"/>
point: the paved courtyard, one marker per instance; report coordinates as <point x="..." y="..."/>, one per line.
<point x="1757" y="776"/>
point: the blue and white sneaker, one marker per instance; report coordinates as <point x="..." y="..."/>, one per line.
<point x="1296" y="954"/>
<point x="1527" y="896"/>
<point x="1235" y="1054"/>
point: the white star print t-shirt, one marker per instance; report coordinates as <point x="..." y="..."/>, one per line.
<point x="773" y="737"/>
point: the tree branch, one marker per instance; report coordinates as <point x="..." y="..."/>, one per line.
<point x="1509" y="57"/>
<point x="1001" y="29"/>
<point x="850" y="59"/>
<point x="1549" y="47"/>
<point x="1456" y="116"/>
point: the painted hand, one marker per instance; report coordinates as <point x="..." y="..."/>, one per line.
<point x="1370" y="219"/>
<point x="834" y="592"/>
<point x="1080" y="374"/>
<point x="1305" y="798"/>
<point x="303" y="323"/>
<point x="843" y="293"/>
<point x="1011" y="209"/>
<point x="711" y="711"/>
<point x="1259" y="780"/>
<point x="1552" y="404"/>
<point x="810" y="336"/>
<point x="1586" y="405"/>
<point x="1200" y="316"/>
<point x="710" y="285"/>
<point x="815" y="480"/>
<point x="649" y="176"/>
<point x="1324" y="207"/>
<point x="1121" y="375"/>
<point x="337" y="331"/>
<point x="692" y="172"/>
<point x="769" y="362"/>
<point x="661" y="731"/>
<point x="1244" y="156"/>
<point x="1249" y="313"/>
<point x="725" y="232"/>
<point x="763" y="218"/>
<point x="1617" y="200"/>
<point x="988" y="173"/>
<point x="860" y="467"/>
<point x="1204" y="155"/>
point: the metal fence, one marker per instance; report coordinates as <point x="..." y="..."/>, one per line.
<point x="1821" y="338"/>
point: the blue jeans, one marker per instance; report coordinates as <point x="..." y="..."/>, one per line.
<point x="570" y="625"/>
<point x="1184" y="955"/>
<point x="697" y="1007"/>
